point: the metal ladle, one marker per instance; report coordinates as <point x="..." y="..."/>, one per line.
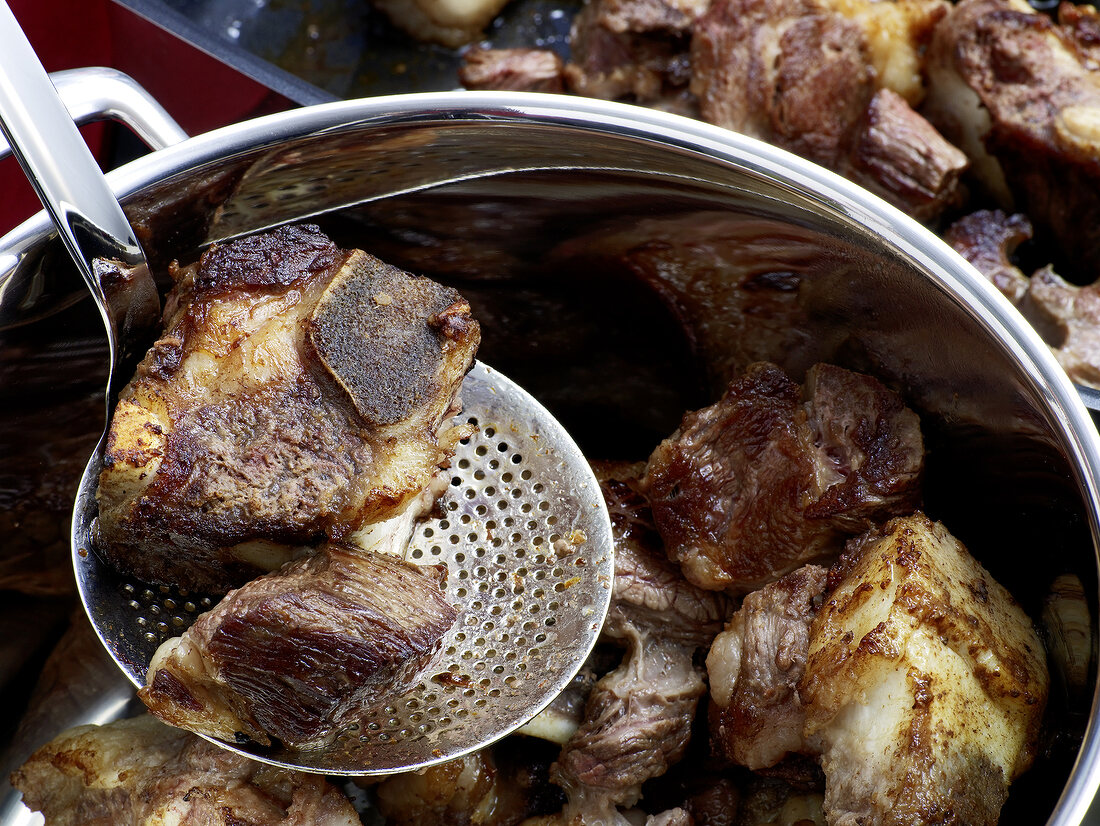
<point x="523" y="529"/>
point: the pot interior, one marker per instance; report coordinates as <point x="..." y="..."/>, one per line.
<point x="622" y="280"/>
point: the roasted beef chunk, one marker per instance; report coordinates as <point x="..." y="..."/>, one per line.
<point x="637" y="723"/>
<point x="1066" y="315"/>
<point x="649" y="590"/>
<point x="140" y="772"/>
<point x="638" y="718"/>
<point x="299" y="391"/>
<point x="754" y="666"/>
<point x="296" y="654"/>
<point x="634" y="50"/>
<point x="1021" y="96"/>
<point x="772" y="477"/>
<point x="516" y="70"/>
<point x="925" y="682"/>
<point x="803" y="76"/>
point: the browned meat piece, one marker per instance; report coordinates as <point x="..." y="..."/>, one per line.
<point x="987" y="239"/>
<point x="764" y="481"/>
<point x="754" y="668"/>
<point x="650" y="591"/>
<point x="295" y="655"/>
<point x="1021" y="96"/>
<point x="1081" y="27"/>
<point x="637" y="723"/>
<point x="650" y="15"/>
<point x="634" y="50"/>
<point x="499" y="786"/>
<point x="808" y="97"/>
<point x="517" y="70"/>
<point x="900" y="155"/>
<point x="141" y="772"/>
<point x="1067" y="316"/>
<point x="298" y="391"/>
<point x="800" y="75"/>
<point x="638" y="718"/>
<point x="925" y="682"/>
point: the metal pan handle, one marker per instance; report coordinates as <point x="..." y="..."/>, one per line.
<point x="99" y="93"/>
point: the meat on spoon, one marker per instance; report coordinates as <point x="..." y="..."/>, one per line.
<point x="298" y="392"/>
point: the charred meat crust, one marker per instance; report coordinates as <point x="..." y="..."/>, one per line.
<point x="369" y="331"/>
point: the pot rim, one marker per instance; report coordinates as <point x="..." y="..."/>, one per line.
<point x="832" y="193"/>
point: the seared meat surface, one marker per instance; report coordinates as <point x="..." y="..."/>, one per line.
<point x="755" y="666"/>
<point x="925" y="682"/>
<point x="802" y="75"/>
<point x="987" y="239"/>
<point x="296" y="654"/>
<point x="637" y="723"/>
<point x="635" y="50"/>
<point x="772" y="477"/>
<point x="298" y="391"/>
<point x="140" y="772"/>
<point x="1020" y="95"/>
<point x="649" y="590"/>
<point x="517" y="70"/>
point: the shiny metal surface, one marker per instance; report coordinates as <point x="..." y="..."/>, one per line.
<point x="499" y="194"/>
<point x="61" y="168"/>
<point x="100" y="93"/>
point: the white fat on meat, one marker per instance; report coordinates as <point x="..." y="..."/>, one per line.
<point x="925" y="682"/>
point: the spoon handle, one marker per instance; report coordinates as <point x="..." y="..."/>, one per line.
<point x="60" y="166"/>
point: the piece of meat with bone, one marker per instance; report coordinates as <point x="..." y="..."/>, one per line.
<point x="805" y="75"/>
<point x="140" y="772"/>
<point x="295" y="655"/>
<point x="1020" y="95"/>
<point x="925" y="683"/>
<point x="774" y="476"/>
<point x="638" y="722"/>
<point x="516" y="70"/>
<point x="1066" y="315"/>
<point x="754" y="668"/>
<point x="299" y="391"/>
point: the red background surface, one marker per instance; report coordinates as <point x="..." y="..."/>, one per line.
<point x="197" y="90"/>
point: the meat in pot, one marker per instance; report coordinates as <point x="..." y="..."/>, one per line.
<point x="774" y="476"/>
<point x="140" y="772"/>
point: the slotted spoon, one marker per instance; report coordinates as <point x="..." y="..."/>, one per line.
<point x="523" y="529"/>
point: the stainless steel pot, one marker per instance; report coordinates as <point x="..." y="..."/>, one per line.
<point x="540" y="209"/>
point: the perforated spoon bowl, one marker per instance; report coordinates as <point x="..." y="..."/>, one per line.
<point x="522" y="529"/>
